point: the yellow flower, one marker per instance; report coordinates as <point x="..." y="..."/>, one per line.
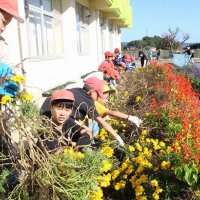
<point x="138" y="98"/>
<point x="139" y="190"/>
<point x="26" y="97"/>
<point x="106" y="166"/>
<point x="142" y="197"/>
<point x="124" y="176"/>
<point x="165" y="165"/>
<point x="107" y="151"/>
<point x="155" y="196"/>
<point x="129" y="170"/>
<point x="144" y="132"/>
<point x="143" y="178"/>
<point x="147" y="114"/>
<point x="138" y="146"/>
<point x="104" y="180"/>
<point x="115" y="174"/>
<point x="120" y="185"/>
<point x="79" y="155"/>
<point x="158" y="189"/>
<point x="6" y="99"/>
<point x="168" y="150"/>
<point x="98" y="195"/>
<point x="17" y="79"/>
<point x="162" y="144"/>
<point x="131" y="148"/>
<point x="154" y="183"/>
<point x="126" y="93"/>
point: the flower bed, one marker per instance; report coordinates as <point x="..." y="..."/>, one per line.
<point x="161" y="159"/>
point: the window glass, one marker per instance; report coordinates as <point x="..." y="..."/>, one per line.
<point x="35" y="30"/>
<point x="82" y="24"/>
<point x="47" y="5"/>
<point x="36" y="3"/>
<point x="45" y="28"/>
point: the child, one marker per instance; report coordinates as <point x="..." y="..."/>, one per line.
<point x="64" y="127"/>
<point x="84" y="110"/>
<point x="103" y="111"/>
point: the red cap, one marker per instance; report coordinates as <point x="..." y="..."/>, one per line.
<point x="11" y="7"/>
<point x="113" y="73"/>
<point x="96" y="84"/>
<point x="117" y="50"/>
<point x="108" y="54"/>
<point x="62" y="94"/>
<point x="132" y="58"/>
<point x="127" y="57"/>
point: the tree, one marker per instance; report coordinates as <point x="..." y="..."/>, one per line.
<point x="171" y="39"/>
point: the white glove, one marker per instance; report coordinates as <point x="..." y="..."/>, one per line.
<point x="119" y="139"/>
<point x="134" y="119"/>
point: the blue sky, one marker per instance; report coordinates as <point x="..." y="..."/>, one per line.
<point x="155" y="17"/>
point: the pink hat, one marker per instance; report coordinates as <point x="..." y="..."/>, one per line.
<point x="117" y="50"/>
<point x="96" y="84"/>
<point x="108" y="54"/>
<point x="11" y="7"/>
<point x="62" y="94"/>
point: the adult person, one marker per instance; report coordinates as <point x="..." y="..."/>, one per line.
<point x="8" y="11"/>
<point x="64" y="127"/>
<point x="143" y="58"/>
<point x="84" y="110"/>
<point x="188" y="52"/>
<point x="158" y="54"/>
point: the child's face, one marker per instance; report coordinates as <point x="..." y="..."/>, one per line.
<point x="60" y="113"/>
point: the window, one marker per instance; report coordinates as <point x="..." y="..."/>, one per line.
<point x="82" y="27"/>
<point x="44" y="28"/>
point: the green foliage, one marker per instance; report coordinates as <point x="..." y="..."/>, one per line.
<point x="3" y="180"/>
<point x="195" y="81"/>
<point x="187" y="173"/>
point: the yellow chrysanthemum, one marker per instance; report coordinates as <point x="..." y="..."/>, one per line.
<point x="139" y="190"/>
<point x="119" y="185"/>
<point x="98" y="195"/>
<point x="155" y="196"/>
<point x="154" y="183"/>
<point x="144" y="132"/>
<point x="107" y="151"/>
<point x="115" y="174"/>
<point x="126" y="93"/>
<point x="158" y="189"/>
<point x="143" y="178"/>
<point x="27" y="97"/>
<point x="165" y="165"/>
<point x="131" y="148"/>
<point x="17" y="79"/>
<point x="79" y="155"/>
<point x="106" y="166"/>
<point x="6" y="99"/>
<point x="162" y="144"/>
<point x="138" y="98"/>
<point x="104" y="180"/>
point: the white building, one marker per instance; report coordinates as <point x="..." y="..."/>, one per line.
<point x="65" y="39"/>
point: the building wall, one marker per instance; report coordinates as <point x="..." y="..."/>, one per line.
<point x="44" y="74"/>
